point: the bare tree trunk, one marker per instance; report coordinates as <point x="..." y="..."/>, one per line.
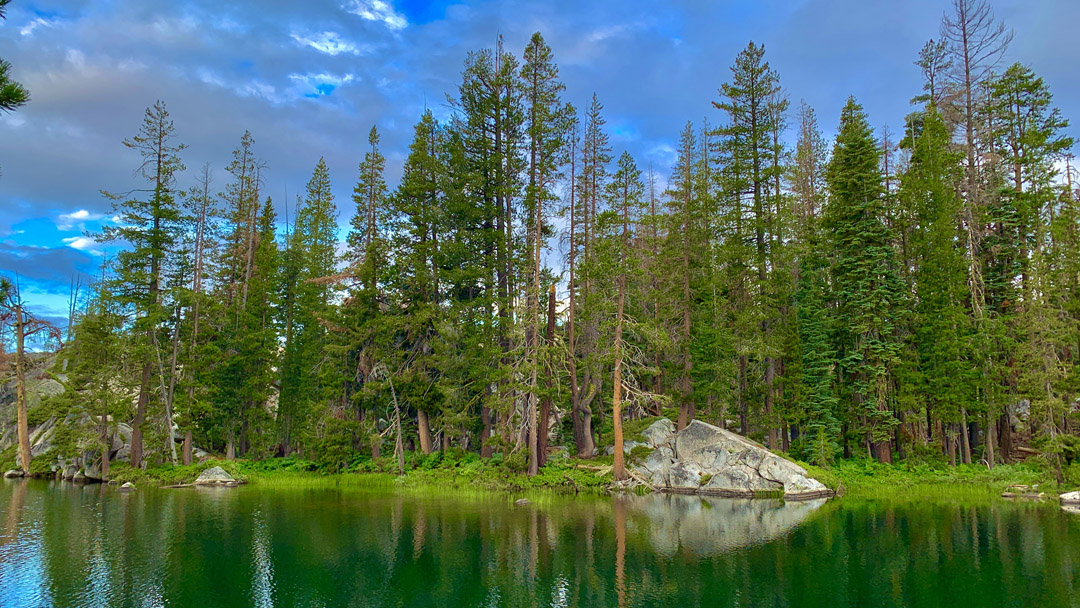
<point x="770" y="377"/>
<point x="485" y="432"/>
<point x="399" y="446"/>
<point x="616" y="398"/>
<point x="545" y="408"/>
<point x="424" y="431"/>
<point x="965" y="441"/>
<point x="188" y="448"/>
<point x="20" y="386"/>
<point x="140" y="417"/>
<point x="744" y="407"/>
<point x="106" y="441"/>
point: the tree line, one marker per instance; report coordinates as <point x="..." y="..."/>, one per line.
<point x="897" y="295"/>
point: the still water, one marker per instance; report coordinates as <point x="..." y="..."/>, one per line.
<point x="68" y="545"/>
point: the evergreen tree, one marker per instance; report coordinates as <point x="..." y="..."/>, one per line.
<point x="866" y="281"/>
<point x="545" y="127"/>
<point x="150" y="227"/>
<point x="12" y="94"/>
<point x="313" y="247"/>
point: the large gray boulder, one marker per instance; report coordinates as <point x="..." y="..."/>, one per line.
<point x="705" y="459"/>
<point x="658" y="432"/>
<point x="215" y="476"/>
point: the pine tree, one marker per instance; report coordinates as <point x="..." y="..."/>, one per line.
<point x="150" y="227"/>
<point x="313" y="251"/>
<point x="627" y="202"/>
<point x="867" y="285"/>
<point x="545" y="127"/>
<point x="942" y="326"/>
<point x="751" y="152"/>
<point x="12" y="94"/>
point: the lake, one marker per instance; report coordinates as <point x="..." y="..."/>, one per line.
<point x="70" y="545"/>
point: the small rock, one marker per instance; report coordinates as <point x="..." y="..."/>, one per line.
<point x="127" y="487"/>
<point x="13" y="474"/>
<point x="522" y="502"/>
<point x="215" y="476"/>
<point x="1070" y="498"/>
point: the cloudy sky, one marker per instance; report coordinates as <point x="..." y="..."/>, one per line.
<point x="310" y="78"/>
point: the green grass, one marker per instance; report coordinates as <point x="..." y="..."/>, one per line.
<point x="458" y="470"/>
<point x="871" y="478"/>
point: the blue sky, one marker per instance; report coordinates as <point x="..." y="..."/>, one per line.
<point x="310" y="78"/>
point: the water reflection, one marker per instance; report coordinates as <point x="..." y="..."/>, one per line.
<point x="710" y="526"/>
<point x="68" y="545"/>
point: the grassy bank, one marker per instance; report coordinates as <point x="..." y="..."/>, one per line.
<point x="462" y="470"/>
<point x="869" y="478"/>
<point x="459" y="471"/>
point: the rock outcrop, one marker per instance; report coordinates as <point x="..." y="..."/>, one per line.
<point x="704" y="459"/>
<point x="215" y="476"/>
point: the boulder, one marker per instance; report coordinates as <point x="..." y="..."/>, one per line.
<point x="627" y="446"/>
<point x="78" y="477"/>
<point x="215" y="476"/>
<point x="127" y="487"/>
<point x="1070" y="498"/>
<point x="13" y="474"/>
<point x="706" y="459"/>
<point x="69" y="472"/>
<point x="92" y="470"/>
<point x="658" y="432"/>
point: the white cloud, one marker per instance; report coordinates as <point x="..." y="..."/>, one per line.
<point x="83" y="243"/>
<point x="377" y="10"/>
<point x="28" y="29"/>
<point x="76" y="219"/>
<point x="330" y="43"/>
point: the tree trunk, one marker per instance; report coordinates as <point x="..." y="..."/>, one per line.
<point x="545" y="408"/>
<point x="424" y="431"/>
<point x="619" y="469"/>
<point x="106" y="443"/>
<point x="20" y="388"/>
<point x="965" y="443"/>
<point x="744" y="407"/>
<point x="188" y="449"/>
<point x="1006" y="438"/>
<point x="140" y="417"/>
<point x="485" y="432"/>
<point x="770" y="378"/>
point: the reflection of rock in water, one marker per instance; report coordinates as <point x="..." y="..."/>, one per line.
<point x="710" y="526"/>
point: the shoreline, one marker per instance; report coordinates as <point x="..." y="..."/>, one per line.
<point x="858" y="479"/>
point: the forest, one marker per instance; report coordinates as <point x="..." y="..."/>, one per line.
<point x="526" y="288"/>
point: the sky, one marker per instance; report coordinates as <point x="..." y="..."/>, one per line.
<point x="309" y="79"/>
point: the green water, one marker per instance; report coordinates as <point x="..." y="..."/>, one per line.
<point x="66" y="545"/>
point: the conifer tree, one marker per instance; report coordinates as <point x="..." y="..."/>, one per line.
<point x="868" y="288"/>
<point x="150" y="226"/>
<point x="545" y="127"/>
<point x="12" y="94"/>
<point x="313" y="247"/>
